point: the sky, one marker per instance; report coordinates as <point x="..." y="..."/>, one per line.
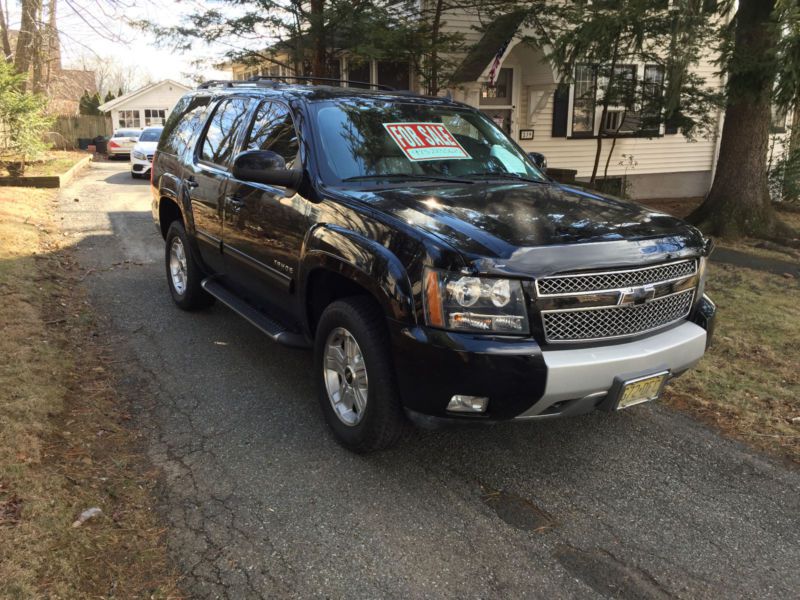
<point x="98" y="28"/>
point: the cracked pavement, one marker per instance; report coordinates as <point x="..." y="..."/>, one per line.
<point x="260" y="501"/>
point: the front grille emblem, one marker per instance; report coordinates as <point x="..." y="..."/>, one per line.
<point x="637" y="295"/>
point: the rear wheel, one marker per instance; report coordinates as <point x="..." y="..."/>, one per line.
<point x="183" y="273"/>
<point x="357" y="389"/>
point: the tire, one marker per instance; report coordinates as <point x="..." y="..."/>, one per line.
<point x="184" y="285"/>
<point x="380" y="423"/>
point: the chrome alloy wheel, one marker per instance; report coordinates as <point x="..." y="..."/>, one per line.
<point x="345" y="376"/>
<point x="178" y="269"/>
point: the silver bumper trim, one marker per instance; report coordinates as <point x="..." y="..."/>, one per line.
<point x="580" y="372"/>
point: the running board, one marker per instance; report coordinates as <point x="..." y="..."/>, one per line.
<point x="269" y="326"/>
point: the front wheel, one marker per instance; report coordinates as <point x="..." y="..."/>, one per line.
<point x="183" y="273"/>
<point x="357" y="389"/>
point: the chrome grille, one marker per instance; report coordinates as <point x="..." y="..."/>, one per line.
<point x="614" y="280"/>
<point x="616" y="321"/>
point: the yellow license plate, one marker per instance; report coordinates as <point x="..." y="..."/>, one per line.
<point x="641" y="390"/>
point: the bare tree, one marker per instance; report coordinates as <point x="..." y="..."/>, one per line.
<point x="30" y="17"/>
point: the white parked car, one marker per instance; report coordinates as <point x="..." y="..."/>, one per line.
<point x="143" y="151"/>
<point x="122" y="142"/>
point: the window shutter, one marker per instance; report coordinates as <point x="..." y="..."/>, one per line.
<point x="560" y="110"/>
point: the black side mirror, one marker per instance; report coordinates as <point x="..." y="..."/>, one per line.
<point x="539" y="160"/>
<point x="267" y="167"/>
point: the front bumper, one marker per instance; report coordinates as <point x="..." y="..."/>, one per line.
<point x="522" y="380"/>
<point x="140" y="167"/>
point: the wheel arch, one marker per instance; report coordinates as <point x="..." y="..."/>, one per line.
<point x="338" y="262"/>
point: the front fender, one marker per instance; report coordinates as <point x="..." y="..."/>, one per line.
<point x="366" y="262"/>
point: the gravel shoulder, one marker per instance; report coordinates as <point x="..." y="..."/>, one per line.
<point x="260" y="501"/>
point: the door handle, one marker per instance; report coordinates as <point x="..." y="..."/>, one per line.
<point x="191" y="183"/>
<point x="234" y="203"/>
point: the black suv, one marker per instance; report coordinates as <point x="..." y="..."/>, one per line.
<point x="438" y="273"/>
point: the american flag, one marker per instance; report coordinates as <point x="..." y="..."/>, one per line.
<point x="498" y="58"/>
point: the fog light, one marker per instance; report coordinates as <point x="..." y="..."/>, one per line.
<point x="472" y="404"/>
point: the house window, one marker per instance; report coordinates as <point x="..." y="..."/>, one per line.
<point x="652" y="91"/>
<point x="583" y="103"/>
<point x="394" y="74"/>
<point x="777" y="121"/>
<point x="154" y="116"/>
<point x="359" y="72"/>
<point x="500" y="93"/>
<point x="633" y="107"/>
<point x="129" y="118"/>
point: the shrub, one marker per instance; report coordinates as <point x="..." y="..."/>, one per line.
<point x="23" y="119"/>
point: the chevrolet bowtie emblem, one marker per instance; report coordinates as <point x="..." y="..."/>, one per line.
<point x="637" y="295"/>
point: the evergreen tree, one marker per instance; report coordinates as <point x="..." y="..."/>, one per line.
<point x="109" y="96"/>
<point x="760" y="55"/>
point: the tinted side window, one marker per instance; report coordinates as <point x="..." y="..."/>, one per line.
<point x="223" y="128"/>
<point x="273" y="129"/>
<point x="182" y="123"/>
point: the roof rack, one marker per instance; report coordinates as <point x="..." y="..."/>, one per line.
<point x="228" y="83"/>
<point x="310" y="78"/>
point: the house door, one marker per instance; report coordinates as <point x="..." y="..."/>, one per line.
<point x="497" y="101"/>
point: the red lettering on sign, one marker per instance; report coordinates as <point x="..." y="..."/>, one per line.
<point x="426" y="141"/>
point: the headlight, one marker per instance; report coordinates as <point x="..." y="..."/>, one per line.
<point x="467" y="303"/>
<point x="139" y="155"/>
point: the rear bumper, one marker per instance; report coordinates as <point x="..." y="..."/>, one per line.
<point x="524" y="381"/>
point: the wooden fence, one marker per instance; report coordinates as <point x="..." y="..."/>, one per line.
<point x="67" y="129"/>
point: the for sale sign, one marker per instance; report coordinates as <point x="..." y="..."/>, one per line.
<point x="426" y="141"/>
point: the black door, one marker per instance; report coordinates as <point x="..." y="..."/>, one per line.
<point x="207" y="177"/>
<point x="265" y="225"/>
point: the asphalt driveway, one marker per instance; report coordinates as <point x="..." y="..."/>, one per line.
<point x="260" y="501"/>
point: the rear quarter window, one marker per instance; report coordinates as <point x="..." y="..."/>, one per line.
<point x="184" y="119"/>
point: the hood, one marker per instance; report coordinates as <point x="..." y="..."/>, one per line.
<point x="537" y="228"/>
<point x="146" y="146"/>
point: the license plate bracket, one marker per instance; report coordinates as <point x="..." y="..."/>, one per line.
<point x="630" y="391"/>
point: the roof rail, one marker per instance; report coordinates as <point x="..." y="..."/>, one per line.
<point x="311" y="78"/>
<point x="216" y="83"/>
<point x="229" y="83"/>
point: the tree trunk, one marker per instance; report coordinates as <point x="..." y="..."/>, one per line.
<point x="433" y="82"/>
<point x="318" y="47"/>
<point x="24" y="55"/>
<point x="7" y="52"/>
<point x="38" y="54"/>
<point x="738" y="203"/>
<point x="604" y="112"/>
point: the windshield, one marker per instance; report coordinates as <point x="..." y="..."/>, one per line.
<point x="150" y="135"/>
<point x="374" y="139"/>
<point x="129" y="133"/>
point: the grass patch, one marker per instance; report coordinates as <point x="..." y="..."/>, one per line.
<point x="64" y="443"/>
<point x="748" y="384"/>
<point x="54" y="163"/>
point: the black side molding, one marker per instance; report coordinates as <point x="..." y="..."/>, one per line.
<point x="267" y="325"/>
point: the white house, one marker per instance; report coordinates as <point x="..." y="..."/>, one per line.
<point x="146" y="106"/>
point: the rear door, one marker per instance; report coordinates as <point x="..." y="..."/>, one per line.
<point x="206" y="178"/>
<point x="265" y="225"/>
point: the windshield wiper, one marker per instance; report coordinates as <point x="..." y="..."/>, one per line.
<point x="516" y="176"/>
<point x="407" y="177"/>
